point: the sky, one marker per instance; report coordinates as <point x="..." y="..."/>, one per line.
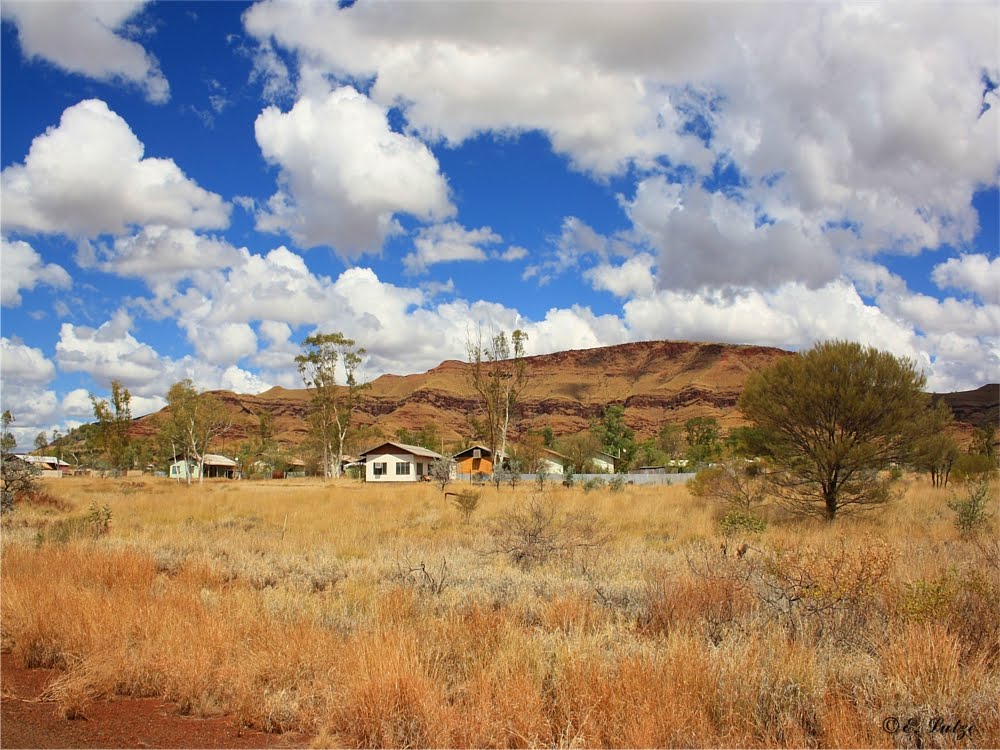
<point x="191" y="189"/>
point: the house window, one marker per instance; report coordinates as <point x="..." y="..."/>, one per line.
<point x="379" y="469"/>
<point x="477" y="453"/>
<point x="403" y="468"/>
<point x="420" y="469"/>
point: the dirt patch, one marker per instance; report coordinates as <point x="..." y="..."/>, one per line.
<point x="27" y="722"/>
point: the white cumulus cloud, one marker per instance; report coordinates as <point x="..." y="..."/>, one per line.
<point x="80" y="36"/>
<point x="24" y="269"/>
<point x="344" y="174"/>
<point x="87" y="176"/>
<point x="974" y="272"/>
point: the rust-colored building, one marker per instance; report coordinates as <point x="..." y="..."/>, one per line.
<point x="476" y="459"/>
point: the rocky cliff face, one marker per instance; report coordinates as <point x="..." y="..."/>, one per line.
<point x="656" y="381"/>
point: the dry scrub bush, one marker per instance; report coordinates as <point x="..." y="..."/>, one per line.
<point x="711" y="606"/>
<point x="538" y="532"/>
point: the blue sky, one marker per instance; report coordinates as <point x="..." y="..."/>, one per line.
<point x="190" y="189"/>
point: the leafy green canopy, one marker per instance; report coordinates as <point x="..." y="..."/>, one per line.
<point x="836" y="416"/>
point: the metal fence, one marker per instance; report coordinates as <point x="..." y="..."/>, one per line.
<point x="578" y="479"/>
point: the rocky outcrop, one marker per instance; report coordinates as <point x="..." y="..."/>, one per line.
<point x="657" y="382"/>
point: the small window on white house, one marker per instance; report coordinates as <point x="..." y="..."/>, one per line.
<point x="403" y="468"/>
<point x="420" y="469"/>
<point x="379" y="469"/>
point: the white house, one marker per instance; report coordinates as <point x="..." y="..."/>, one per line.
<point x="553" y="463"/>
<point x="216" y="467"/>
<point x="397" y="462"/>
<point x="604" y="463"/>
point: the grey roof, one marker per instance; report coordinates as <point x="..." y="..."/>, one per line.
<point x="416" y="450"/>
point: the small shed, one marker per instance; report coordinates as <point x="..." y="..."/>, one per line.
<point x="476" y="459"/>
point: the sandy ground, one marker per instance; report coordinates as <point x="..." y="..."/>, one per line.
<point x="27" y="722"/>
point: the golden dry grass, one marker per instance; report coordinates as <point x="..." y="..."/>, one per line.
<point x="371" y="616"/>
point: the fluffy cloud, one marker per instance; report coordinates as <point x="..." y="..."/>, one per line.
<point x="790" y="316"/>
<point x="442" y="243"/>
<point x="26" y="374"/>
<point x="23" y="269"/>
<point x="79" y="36"/>
<point x="711" y="240"/>
<point x="111" y="352"/>
<point x="577" y="242"/>
<point x="843" y="130"/>
<point x="463" y="70"/>
<point x="633" y="278"/>
<point x="108" y="352"/>
<point x="24" y="364"/>
<point x="87" y="176"/>
<point x="974" y="273"/>
<point x="159" y="255"/>
<point x="344" y="173"/>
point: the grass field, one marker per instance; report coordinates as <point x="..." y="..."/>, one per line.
<point x="376" y="616"/>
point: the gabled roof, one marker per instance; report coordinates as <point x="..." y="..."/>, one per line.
<point x="555" y="453"/>
<point x="211" y="459"/>
<point x="415" y="450"/>
<point x="486" y="452"/>
<point x="44" y="460"/>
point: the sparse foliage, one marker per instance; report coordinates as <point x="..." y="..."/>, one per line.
<point x="936" y="450"/>
<point x="425" y="579"/>
<point x="971" y="513"/>
<point x="537" y="533"/>
<point x="499" y="376"/>
<point x="580" y="450"/>
<point x="98" y="518"/>
<point x="440" y="471"/>
<point x="466" y="501"/>
<point x="333" y="405"/>
<point x="741" y="522"/>
<point x="114" y="420"/>
<point x="737" y="483"/>
<point x="540" y="476"/>
<point x="193" y="420"/>
<point x="19" y="478"/>
<point x="837" y="414"/>
<point x="983" y="439"/>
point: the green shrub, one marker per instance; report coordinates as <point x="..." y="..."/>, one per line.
<point x="466" y="501"/>
<point x="971" y="515"/>
<point x="616" y="483"/>
<point x="971" y="466"/>
<point x="594" y="483"/>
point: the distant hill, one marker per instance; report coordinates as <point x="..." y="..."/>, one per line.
<point x="658" y="382"/>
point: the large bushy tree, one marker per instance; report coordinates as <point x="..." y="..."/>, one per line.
<point x="837" y="415"/>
